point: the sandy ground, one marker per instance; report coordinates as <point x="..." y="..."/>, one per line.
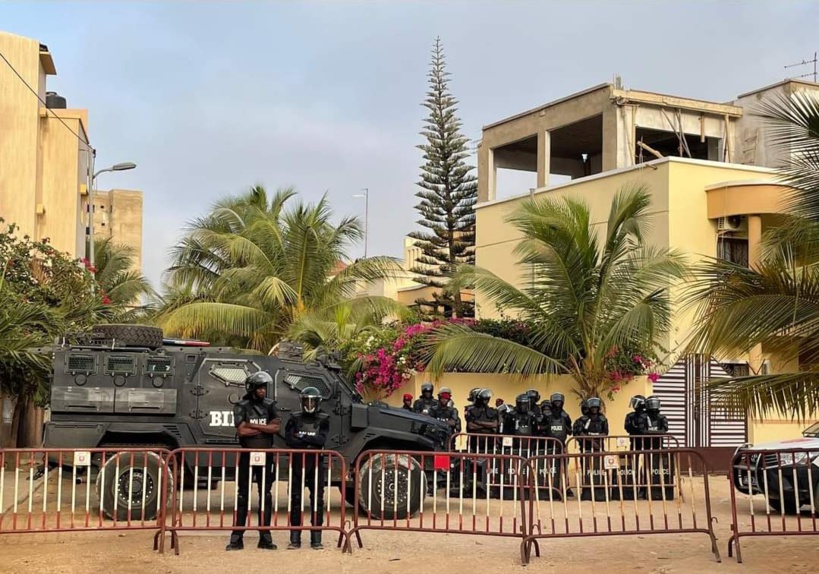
<point x="406" y="552"/>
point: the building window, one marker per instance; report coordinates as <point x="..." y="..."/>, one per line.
<point x="733" y="250"/>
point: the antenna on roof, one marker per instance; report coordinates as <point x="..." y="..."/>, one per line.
<point x="618" y="82"/>
<point x="805" y="63"/>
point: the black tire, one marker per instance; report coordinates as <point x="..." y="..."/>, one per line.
<point x="130" y="335"/>
<point x="115" y="482"/>
<point x="397" y="479"/>
<point x="790" y="506"/>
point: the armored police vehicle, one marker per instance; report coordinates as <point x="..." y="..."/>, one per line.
<point x="789" y="480"/>
<point x="127" y="386"/>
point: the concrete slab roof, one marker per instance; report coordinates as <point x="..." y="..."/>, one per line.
<point x="619" y="95"/>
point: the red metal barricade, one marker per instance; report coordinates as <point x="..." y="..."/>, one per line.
<point x="50" y="490"/>
<point x="779" y="494"/>
<point x="283" y="473"/>
<point x="613" y="443"/>
<point x="618" y="494"/>
<point x="449" y="493"/>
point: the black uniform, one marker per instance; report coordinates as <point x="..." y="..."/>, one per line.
<point x="481" y="414"/>
<point x="423" y="404"/>
<point x="307" y="431"/>
<point x="591" y="425"/>
<point x="557" y="424"/>
<point x="407" y="407"/>
<point x="586" y="427"/>
<point x="446" y="414"/>
<point x="262" y="412"/>
<point x="653" y="422"/>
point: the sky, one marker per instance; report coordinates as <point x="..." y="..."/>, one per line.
<point x="212" y="98"/>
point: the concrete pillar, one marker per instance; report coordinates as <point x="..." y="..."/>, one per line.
<point x="544" y="154"/>
<point x="754" y="248"/>
<point x="754" y="239"/>
<point x="487" y="174"/>
<point x="611" y="125"/>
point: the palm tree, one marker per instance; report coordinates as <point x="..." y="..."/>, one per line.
<point x="330" y="328"/>
<point x="775" y="303"/>
<point x="584" y="298"/>
<point x="119" y="283"/>
<point x="259" y="263"/>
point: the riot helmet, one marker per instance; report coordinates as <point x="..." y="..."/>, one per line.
<point x="584" y="407"/>
<point x="523" y="403"/>
<point x="638" y="402"/>
<point x="473" y="394"/>
<point x="594" y="404"/>
<point x="426" y="390"/>
<point x="653" y="403"/>
<point x="310" y="399"/>
<point x="556" y="401"/>
<point x="256" y="381"/>
<point x="444" y="395"/>
<point x="534" y="395"/>
<point x="483" y="396"/>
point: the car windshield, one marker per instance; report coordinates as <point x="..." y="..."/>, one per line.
<point x="812" y="431"/>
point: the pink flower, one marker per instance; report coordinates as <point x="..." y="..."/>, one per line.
<point x="637" y="359"/>
<point x="653" y="377"/>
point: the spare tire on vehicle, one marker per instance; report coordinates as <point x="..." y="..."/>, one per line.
<point x="128" y="335"/>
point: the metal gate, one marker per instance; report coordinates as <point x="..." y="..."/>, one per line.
<point x="692" y="417"/>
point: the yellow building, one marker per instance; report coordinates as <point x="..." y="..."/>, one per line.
<point x="705" y="203"/>
<point x="44" y="157"/>
<point x="118" y="217"/>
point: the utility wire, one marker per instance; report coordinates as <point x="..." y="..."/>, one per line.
<point x="48" y="110"/>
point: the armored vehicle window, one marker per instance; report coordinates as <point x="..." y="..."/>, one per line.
<point x="120" y="365"/>
<point x="85" y="364"/>
<point x="232" y="375"/>
<point x="158" y="366"/>
<point x="300" y="382"/>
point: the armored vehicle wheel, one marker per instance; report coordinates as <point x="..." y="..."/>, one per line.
<point x="790" y="506"/>
<point x="129" y="482"/>
<point x="395" y="482"/>
<point x="131" y="335"/>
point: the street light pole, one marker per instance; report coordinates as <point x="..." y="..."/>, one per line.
<point x="366" y="196"/>
<point x="125" y="166"/>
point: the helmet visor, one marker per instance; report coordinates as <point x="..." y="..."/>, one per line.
<point x="309" y="404"/>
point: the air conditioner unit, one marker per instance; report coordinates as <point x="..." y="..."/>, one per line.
<point x="731" y="223"/>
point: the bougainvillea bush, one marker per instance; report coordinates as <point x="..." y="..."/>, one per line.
<point x="383" y="360"/>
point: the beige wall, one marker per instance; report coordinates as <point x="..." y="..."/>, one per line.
<point x="19" y="132"/>
<point x="118" y="216"/>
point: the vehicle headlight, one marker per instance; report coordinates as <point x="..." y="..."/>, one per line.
<point x="792" y="459"/>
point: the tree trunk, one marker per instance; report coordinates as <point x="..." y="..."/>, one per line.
<point x="7" y="435"/>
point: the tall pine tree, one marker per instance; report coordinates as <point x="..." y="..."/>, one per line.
<point x="448" y="195"/>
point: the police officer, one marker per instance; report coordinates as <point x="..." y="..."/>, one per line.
<point x="482" y="420"/>
<point x="522" y="422"/>
<point x="257" y="421"/>
<point x="557" y="424"/>
<point x="307" y="430"/>
<point x="444" y="411"/>
<point x="535" y="396"/>
<point x="592" y="423"/>
<point x="653" y="423"/>
<point x="426" y="400"/>
<point x="638" y="406"/>
<point x="407" y="404"/>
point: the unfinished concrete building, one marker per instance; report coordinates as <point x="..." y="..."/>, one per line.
<point x="607" y="127"/>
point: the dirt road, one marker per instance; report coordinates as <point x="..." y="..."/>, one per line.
<point x="403" y="553"/>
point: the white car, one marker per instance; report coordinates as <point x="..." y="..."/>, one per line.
<point x="784" y="472"/>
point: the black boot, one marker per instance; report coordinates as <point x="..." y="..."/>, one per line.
<point x="315" y="539"/>
<point x="295" y="540"/>
<point x="235" y="543"/>
<point x="266" y="541"/>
